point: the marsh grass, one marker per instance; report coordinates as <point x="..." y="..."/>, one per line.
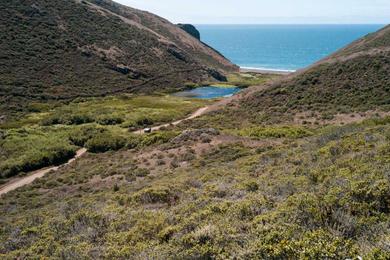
<point x="52" y="135"/>
<point x="27" y="149"/>
<point x="242" y="80"/>
<point x="249" y="79"/>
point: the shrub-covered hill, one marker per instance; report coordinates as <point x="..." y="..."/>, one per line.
<point x="56" y="49"/>
<point x="355" y="79"/>
<point x="283" y="193"/>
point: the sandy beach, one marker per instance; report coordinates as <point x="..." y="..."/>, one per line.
<point x="265" y="71"/>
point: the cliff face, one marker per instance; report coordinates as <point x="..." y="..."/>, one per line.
<point x="189" y="28"/>
<point x="56" y="49"/>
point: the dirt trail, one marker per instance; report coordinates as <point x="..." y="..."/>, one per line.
<point x="197" y="113"/>
<point x="20" y="182"/>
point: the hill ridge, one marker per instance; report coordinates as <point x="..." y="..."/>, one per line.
<point x="58" y="50"/>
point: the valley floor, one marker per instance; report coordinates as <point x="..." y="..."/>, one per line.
<point x="18" y="182"/>
<point x="217" y="186"/>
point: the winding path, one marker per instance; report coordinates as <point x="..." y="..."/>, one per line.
<point x="197" y="113"/>
<point x="22" y="181"/>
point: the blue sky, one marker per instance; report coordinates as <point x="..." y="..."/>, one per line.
<point x="267" y="11"/>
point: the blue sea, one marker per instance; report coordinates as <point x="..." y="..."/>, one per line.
<point x="280" y="47"/>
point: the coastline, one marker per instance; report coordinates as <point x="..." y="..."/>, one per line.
<point x="266" y="71"/>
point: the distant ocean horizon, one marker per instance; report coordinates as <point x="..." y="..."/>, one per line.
<point x="281" y="47"/>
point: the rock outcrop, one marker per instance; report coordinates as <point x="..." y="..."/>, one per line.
<point x="189" y="28"/>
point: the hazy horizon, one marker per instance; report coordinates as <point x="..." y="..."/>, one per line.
<point x="266" y="12"/>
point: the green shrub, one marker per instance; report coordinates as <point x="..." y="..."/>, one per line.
<point x="144" y="121"/>
<point x="52" y="120"/>
<point x="144" y="140"/>
<point x="251" y="186"/>
<point x="378" y="121"/>
<point x="27" y="149"/>
<point x="77" y="119"/>
<point x="104" y="142"/>
<point x="141" y="172"/>
<point x="156" y="195"/>
<point x="157" y="138"/>
<point x="37" y="160"/>
<point x="227" y="153"/>
<point x="317" y="244"/>
<point x="107" y="120"/>
<point x="275" y="132"/>
<point x="80" y="136"/>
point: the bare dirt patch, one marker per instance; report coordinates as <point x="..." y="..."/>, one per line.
<point x="311" y="118"/>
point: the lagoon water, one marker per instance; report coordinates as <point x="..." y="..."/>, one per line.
<point x="208" y="92"/>
<point x="280" y="47"/>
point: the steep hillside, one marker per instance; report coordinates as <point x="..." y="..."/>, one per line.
<point x="355" y="79"/>
<point x="59" y="49"/>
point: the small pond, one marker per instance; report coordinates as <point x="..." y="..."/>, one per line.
<point x="209" y="92"/>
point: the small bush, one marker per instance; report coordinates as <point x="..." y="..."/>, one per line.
<point x="157" y="138"/>
<point x="80" y="136"/>
<point x="109" y="120"/>
<point x="227" y="153"/>
<point x="104" y="142"/>
<point x="116" y="187"/>
<point x="52" y="156"/>
<point x="251" y="186"/>
<point x="141" y="172"/>
<point x="77" y="119"/>
<point x="156" y="195"/>
<point x="145" y="121"/>
<point x="276" y="132"/>
<point x="53" y="120"/>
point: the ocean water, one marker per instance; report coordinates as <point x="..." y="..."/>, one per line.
<point x="280" y="47"/>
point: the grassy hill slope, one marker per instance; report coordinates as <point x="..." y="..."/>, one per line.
<point x="62" y="49"/>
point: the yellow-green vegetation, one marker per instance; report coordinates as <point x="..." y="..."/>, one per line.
<point x="243" y="182"/>
<point x="51" y="135"/>
<point x="242" y="80"/>
<point x="275" y="132"/>
<point x="25" y="149"/>
<point x="322" y="194"/>
<point x="124" y="111"/>
<point x="30" y="148"/>
<point x="249" y="79"/>
<point x="223" y="85"/>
